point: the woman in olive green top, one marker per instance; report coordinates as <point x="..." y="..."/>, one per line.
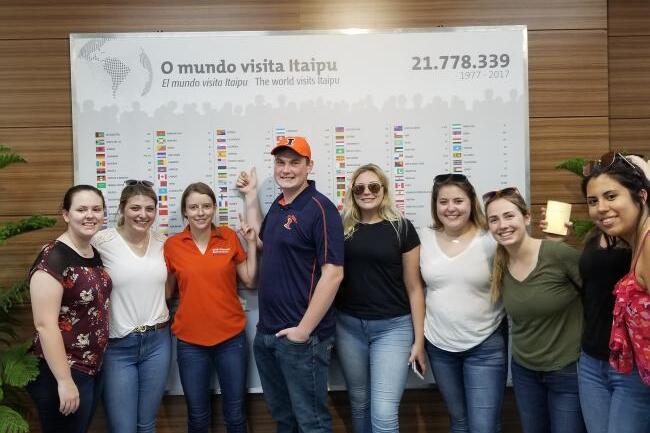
<point x="539" y="282"/>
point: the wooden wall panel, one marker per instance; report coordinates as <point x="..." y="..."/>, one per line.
<point x="38" y="186"/>
<point x="568" y="73"/>
<point x="34" y="83"/>
<point x="553" y="14"/>
<point x="58" y="19"/>
<point x="553" y="140"/>
<point x="17" y="255"/>
<point x="628" y="17"/>
<point x="630" y="135"/>
<point x="629" y="76"/>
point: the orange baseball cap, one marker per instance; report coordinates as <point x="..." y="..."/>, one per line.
<point x="297" y="144"/>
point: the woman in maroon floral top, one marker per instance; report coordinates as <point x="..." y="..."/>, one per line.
<point x="70" y="299"/>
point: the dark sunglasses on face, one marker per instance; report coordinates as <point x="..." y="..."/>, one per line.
<point x="455" y="177"/>
<point x="505" y="192"/>
<point x="131" y="182"/>
<point x="605" y="162"/>
<point x="360" y="188"/>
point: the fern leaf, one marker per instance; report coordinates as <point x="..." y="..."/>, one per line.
<point x="574" y="165"/>
<point x="7" y="157"/>
<point x="18" y="293"/>
<point x="35" y="222"/>
<point x="18" y="366"/>
<point x="11" y="421"/>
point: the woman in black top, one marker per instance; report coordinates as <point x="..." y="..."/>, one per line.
<point x="611" y="402"/>
<point x="380" y="320"/>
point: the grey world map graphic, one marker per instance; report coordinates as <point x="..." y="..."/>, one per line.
<point x="118" y="69"/>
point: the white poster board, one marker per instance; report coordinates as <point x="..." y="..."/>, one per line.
<point x="176" y="108"/>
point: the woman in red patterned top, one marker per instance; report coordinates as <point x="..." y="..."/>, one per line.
<point x="616" y="188"/>
<point x="70" y="292"/>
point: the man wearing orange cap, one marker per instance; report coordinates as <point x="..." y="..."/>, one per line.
<point x="301" y="269"/>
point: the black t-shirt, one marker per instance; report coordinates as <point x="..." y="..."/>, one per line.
<point x="373" y="286"/>
<point x="600" y="269"/>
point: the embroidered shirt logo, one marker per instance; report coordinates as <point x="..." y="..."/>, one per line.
<point x="291" y="219"/>
<point x="220" y="251"/>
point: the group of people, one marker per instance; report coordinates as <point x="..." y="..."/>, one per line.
<point x="388" y="298"/>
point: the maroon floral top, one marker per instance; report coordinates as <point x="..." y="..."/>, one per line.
<point x="83" y="318"/>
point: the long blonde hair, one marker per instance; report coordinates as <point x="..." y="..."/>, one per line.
<point x="387" y="209"/>
<point x="501" y="256"/>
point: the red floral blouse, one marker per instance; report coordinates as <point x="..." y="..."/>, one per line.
<point x="83" y="317"/>
<point x="629" y="341"/>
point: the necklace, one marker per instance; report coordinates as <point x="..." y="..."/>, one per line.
<point x="86" y="252"/>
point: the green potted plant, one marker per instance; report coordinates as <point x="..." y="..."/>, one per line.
<point x="17" y="366"/>
<point x="574" y="165"/>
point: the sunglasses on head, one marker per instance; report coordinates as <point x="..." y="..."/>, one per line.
<point x="360" y="188"/>
<point x="605" y="162"/>
<point x="132" y="182"/>
<point x="505" y="192"/>
<point x="454" y="177"/>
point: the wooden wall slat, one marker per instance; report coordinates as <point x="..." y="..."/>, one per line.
<point x="50" y="20"/>
<point x="35" y="83"/>
<point x="553" y="14"/>
<point x="57" y="19"/>
<point x="629" y="76"/>
<point x="630" y="135"/>
<point x="628" y="17"/>
<point x="568" y="73"/>
<point x="17" y="255"/>
<point x="557" y="139"/>
<point x="38" y="186"/>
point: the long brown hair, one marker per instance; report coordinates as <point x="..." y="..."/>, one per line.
<point x="501" y="257"/>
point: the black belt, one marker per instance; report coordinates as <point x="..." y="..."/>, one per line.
<point x="144" y="328"/>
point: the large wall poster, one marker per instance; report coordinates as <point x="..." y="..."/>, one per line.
<point x="176" y="108"/>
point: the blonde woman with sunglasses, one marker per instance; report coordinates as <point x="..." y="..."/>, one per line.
<point x="380" y="303"/>
<point x="539" y="283"/>
<point x="466" y="335"/>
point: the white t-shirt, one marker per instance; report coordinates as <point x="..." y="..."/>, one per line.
<point x="459" y="312"/>
<point x="138" y="296"/>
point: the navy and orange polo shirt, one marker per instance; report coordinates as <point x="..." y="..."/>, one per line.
<point x="299" y="238"/>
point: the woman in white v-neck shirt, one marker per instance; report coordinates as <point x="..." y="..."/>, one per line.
<point x="466" y="336"/>
<point x="138" y="355"/>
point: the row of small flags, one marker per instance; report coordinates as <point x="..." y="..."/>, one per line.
<point x="456" y="148"/>
<point x="100" y="167"/>
<point x="161" y="177"/>
<point x="221" y="153"/>
<point x="398" y="167"/>
<point x="339" y="165"/>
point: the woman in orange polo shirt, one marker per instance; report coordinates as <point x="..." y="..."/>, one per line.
<point x="209" y="324"/>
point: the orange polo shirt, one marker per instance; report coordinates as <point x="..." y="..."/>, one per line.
<point x="209" y="310"/>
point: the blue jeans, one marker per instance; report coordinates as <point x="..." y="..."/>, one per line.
<point x="44" y="391"/>
<point x="196" y="365"/>
<point x="374" y="358"/>
<point x="135" y="373"/>
<point x="612" y="402"/>
<point x="473" y="382"/>
<point x="294" y="381"/>
<point x="548" y="400"/>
